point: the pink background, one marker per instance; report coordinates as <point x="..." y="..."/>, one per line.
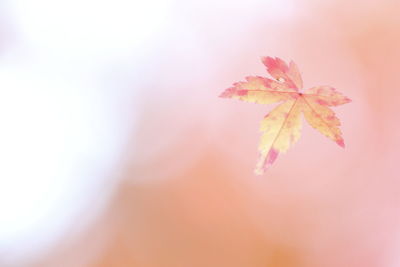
<point x="179" y="188"/>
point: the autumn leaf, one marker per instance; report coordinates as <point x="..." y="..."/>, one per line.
<point x="282" y="126"/>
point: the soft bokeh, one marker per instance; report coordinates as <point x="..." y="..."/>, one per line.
<point x="116" y="150"/>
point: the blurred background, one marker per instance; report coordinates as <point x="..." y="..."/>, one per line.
<point x="116" y="151"/>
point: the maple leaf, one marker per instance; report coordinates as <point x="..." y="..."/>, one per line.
<point x="282" y="126"/>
